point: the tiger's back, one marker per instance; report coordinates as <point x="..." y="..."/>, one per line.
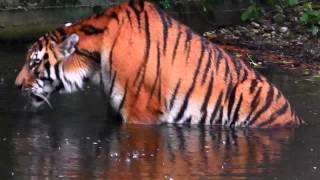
<point x="175" y="75"/>
<point x="154" y="69"/>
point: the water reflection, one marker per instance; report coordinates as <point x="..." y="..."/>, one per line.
<point x="103" y="151"/>
<point x="77" y="139"/>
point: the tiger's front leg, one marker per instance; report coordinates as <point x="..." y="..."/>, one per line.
<point x="141" y="109"/>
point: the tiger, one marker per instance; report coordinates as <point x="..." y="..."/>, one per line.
<point x="154" y="70"/>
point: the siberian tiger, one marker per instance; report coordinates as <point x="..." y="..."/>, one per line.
<point x="155" y="70"/>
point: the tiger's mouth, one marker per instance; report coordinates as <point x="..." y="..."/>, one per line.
<point x="38" y="99"/>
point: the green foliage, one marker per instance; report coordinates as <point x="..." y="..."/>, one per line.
<point x="167" y="4"/>
<point x="311" y="18"/>
<point x="252" y="13"/>
<point x="292" y="2"/>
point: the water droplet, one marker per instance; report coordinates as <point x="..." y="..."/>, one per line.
<point x="112" y="155"/>
<point x="128" y="160"/>
<point x="168" y="178"/>
<point x="135" y="155"/>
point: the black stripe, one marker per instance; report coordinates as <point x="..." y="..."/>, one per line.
<point x="155" y="83"/>
<point x="143" y="67"/>
<point x="218" y="58"/>
<point x="231" y="100"/>
<point x="187" y="45"/>
<point x="124" y="96"/>
<point x="188" y="121"/>
<point x="129" y="17"/>
<point x="175" y="92"/>
<point x="206" y="101"/>
<point x="46" y="56"/>
<point x="189" y="92"/>
<point x="219" y="121"/>
<point x="53" y="52"/>
<point x="229" y="89"/>
<point x="235" y="116"/>
<point x="245" y="75"/>
<point x="56" y="70"/>
<point x="91" y="30"/>
<point x="267" y="104"/>
<point x="253" y="85"/>
<point x="258" y="76"/>
<point x="47" y="68"/>
<point x="274" y="115"/>
<point x="164" y="27"/>
<point x="132" y="3"/>
<point x="208" y="65"/>
<point x="216" y="107"/>
<point x="54" y="37"/>
<point x="112" y="83"/>
<point x="256" y="98"/>
<point x="279" y="94"/>
<point x="188" y="38"/>
<point x="176" y="47"/>
<point x="254" y="103"/>
<point x="226" y="71"/>
<point x="159" y="71"/>
<point x="136" y="12"/>
<point x="238" y="66"/>
<point x="40" y="46"/>
<point x="169" y="20"/>
<point x="110" y="56"/>
<point x="61" y="32"/>
<point x="114" y="15"/>
<point x="95" y="56"/>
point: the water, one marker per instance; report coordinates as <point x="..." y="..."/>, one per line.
<point x="79" y="139"/>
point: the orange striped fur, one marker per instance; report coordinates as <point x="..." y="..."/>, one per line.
<point x="154" y="69"/>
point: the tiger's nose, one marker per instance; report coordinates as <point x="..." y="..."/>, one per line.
<point x="19" y="82"/>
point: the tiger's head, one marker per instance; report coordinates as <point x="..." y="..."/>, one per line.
<point x="42" y="73"/>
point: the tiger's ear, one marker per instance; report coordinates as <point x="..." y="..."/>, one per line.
<point x="68" y="46"/>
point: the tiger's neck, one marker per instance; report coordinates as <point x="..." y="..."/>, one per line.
<point x="94" y="33"/>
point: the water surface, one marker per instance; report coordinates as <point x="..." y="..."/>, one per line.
<point x="79" y="139"/>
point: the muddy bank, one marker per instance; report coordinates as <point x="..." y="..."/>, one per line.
<point x="288" y="44"/>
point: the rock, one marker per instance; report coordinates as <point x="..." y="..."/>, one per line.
<point x="266" y="35"/>
<point x="237" y="32"/>
<point x="256" y="25"/>
<point x="284" y="29"/>
<point x="256" y="31"/>
<point x="243" y="29"/>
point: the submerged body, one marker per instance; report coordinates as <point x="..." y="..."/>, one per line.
<point x="154" y="70"/>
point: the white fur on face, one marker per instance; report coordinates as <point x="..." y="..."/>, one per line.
<point x="38" y="54"/>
